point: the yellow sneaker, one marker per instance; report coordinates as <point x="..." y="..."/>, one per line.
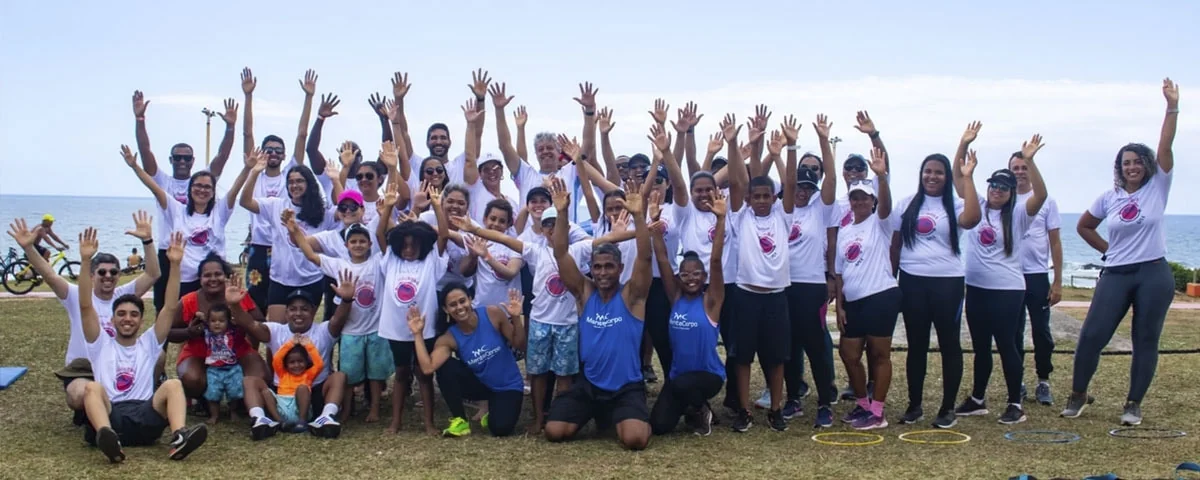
<point x="459" y="427"/>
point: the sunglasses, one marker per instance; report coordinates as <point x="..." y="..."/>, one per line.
<point x="183" y="158"/>
<point x="811" y="168"/>
<point x="278" y="150"/>
<point x="866" y="182"/>
<point x="112" y="272"/>
<point x="348" y="207"/>
<point x="364" y="177"/>
<point x="999" y="186"/>
<point x="855" y="168"/>
<point x="437" y="170"/>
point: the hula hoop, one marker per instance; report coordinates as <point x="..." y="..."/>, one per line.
<point x="963" y="438"/>
<point x="874" y="439"/>
<point x="1154" y="433"/>
<point x="1054" y="436"/>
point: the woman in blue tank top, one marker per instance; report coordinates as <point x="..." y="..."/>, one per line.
<point x="484" y="369"/>
<point x="696" y="371"/>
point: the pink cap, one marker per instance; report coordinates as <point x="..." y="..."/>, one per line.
<point x="351" y="195"/>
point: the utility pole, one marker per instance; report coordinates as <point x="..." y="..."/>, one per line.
<point x="833" y="146"/>
<point x="208" y="114"/>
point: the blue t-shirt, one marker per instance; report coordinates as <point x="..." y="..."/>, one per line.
<point x="693" y="339"/>
<point x="488" y="355"/>
<point x="610" y="339"/>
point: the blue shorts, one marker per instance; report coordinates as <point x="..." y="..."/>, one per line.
<point x="365" y="357"/>
<point x="288" y="411"/>
<point x="552" y="348"/>
<point x="224" y="382"/>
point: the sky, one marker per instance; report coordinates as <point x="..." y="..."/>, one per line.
<point x="1087" y="78"/>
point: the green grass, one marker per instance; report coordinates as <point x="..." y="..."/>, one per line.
<point x="37" y="440"/>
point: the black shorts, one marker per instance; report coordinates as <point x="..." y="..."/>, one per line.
<point x="43" y="251"/>
<point x="405" y="353"/>
<point x="135" y="421"/>
<point x="873" y="315"/>
<point x="278" y="292"/>
<point x="763" y="327"/>
<point x="584" y="402"/>
<point x="258" y="275"/>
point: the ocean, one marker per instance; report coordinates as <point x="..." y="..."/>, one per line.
<point x="112" y="216"/>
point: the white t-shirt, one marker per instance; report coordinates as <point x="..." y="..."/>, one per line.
<point x="318" y="333"/>
<point x="672" y="240"/>
<point x="807" y="242"/>
<point x="364" y="313"/>
<point x="1136" y="231"/>
<point x="533" y="234"/>
<point x="490" y="289"/>
<point x="864" y="258"/>
<point x="841" y="215"/>
<point x="76" y="345"/>
<point x="454" y="253"/>
<point x="552" y="303"/>
<point x="628" y="248"/>
<point x="127" y="373"/>
<point x="288" y="265"/>
<point x="407" y="283"/>
<point x="480" y="197"/>
<point x="527" y="178"/>
<point x="1035" y="245"/>
<point x="931" y="254"/>
<point x="332" y="244"/>
<point x="696" y="231"/>
<point x="261" y="225"/>
<point x="176" y="189"/>
<point x="987" y="265"/>
<point x="762" y="247"/>
<point x="202" y="234"/>
<point x="454" y="172"/>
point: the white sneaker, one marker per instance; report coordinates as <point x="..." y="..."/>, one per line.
<point x="764" y="401"/>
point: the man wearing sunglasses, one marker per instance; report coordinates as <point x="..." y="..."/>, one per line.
<point x="176" y="182"/>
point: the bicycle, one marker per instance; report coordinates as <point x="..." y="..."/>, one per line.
<point x="20" y="277"/>
<point x="9" y="259"/>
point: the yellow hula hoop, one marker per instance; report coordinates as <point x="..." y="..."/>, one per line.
<point x="963" y="438"/>
<point x="874" y="439"/>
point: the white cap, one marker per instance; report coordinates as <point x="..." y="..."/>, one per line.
<point x="865" y="186"/>
<point x="488" y="157"/>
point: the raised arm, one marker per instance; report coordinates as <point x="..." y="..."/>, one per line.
<point x="142" y="230"/>
<point x="605" y="122"/>
<point x="738" y="177"/>
<point x="658" y="231"/>
<point x="1028" y="149"/>
<point x="568" y="271"/>
<point x="716" y="142"/>
<point x="165" y="318"/>
<point x="386" y="205"/>
<point x="382" y="107"/>
<point x="346" y="286"/>
<point x="249" y="81"/>
<point x="1166" y="157"/>
<point x="143" y="136"/>
<point x="298" y="237"/>
<point x="587" y="103"/>
<point x="638" y="286"/>
<point x="27" y="239"/>
<point x="309" y="85"/>
<point x="789" y="182"/>
<point x="160" y="195"/>
<point x="960" y="156"/>
<point x="247" y="196"/>
<point x="585" y="172"/>
<point x="443" y="228"/>
<point x="471" y="167"/>
<point x="883" y="193"/>
<point x="479" y="87"/>
<point x="430" y="362"/>
<point x="971" y="214"/>
<point x="88" y="246"/>
<point x="686" y="127"/>
<point x="512" y="327"/>
<point x="328" y="103"/>
<point x="512" y="159"/>
<point x="867" y="126"/>
<point x="400" y="87"/>
<point x="756" y="136"/>
<point x="235" y="292"/>
<point x="714" y="298"/>
<point x="225" y="149"/>
<point x="521" y="117"/>
<point x="828" y="163"/>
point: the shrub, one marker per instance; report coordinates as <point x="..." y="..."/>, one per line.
<point x="1183" y="275"/>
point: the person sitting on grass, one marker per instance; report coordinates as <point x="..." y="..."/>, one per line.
<point x="134" y="262"/>
<point x="296" y="364"/>
<point x="121" y="404"/>
<point x="224" y="372"/>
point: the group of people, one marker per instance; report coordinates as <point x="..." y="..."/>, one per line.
<point x="437" y="274"/>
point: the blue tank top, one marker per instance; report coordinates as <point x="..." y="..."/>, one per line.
<point x="610" y="339"/>
<point x="693" y="339"/>
<point x="488" y="355"/>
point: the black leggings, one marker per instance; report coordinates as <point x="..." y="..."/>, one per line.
<point x="258" y="276"/>
<point x="658" y="313"/>
<point x="458" y="382"/>
<point x="933" y="301"/>
<point x="687" y="392"/>
<point x="995" y="314"/>
<point x="1149" y="288"/>
<point x="728" y="314"/>
<point x="810" y="336"/>
<point x="1037" y="303"/>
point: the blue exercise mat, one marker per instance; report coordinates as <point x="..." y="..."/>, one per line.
<point x="9" y="375"/>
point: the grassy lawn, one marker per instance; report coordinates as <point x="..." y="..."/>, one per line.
<point x="1085" y="295"/>
<point x="38" y="440"/>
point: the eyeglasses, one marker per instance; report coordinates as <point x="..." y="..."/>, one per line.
<point x="112" y="272"/>
<point x="278" y="150"/>
<point x="365" y="177"/>
<point x="348" y="207"/>
<point x="855" y="168"/>
<point x="811" y="168"/>
<point x="433" y="170"/>
<point x="183" y="158"/>
<point x="999" y="186"/>
<point x="202" y="186"/>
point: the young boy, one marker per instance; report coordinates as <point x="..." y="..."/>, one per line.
<point x="224" y="372"/>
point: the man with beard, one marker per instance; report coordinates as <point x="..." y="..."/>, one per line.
<point x="104" y="272"/>
<point x="437" y="137"/>
<point x="176" y="182"/>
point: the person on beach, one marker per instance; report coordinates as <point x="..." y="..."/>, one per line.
<point x="44" y="232"/>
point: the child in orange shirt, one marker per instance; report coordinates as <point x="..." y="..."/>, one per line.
<point x="297" y="364"/>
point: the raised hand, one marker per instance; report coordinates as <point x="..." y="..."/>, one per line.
<point x="753" y="134"/>
<point x="471" y="111"/>
<point x="822" y="126"/>
<point x="479" y="84"/>
<point x="587" y="97"/>
<point x="716" y="142"/>
<point x="249" y="81"/>
<point x="634" y="202"/>
<point x="1171" y="93"/>
<point x="687" y="118"/>
<point x="1031" y="147"/>
<point x="328" y="103"/>
<point x="416" y="321"/>
<point x="347" y="153"/>
<point x="139" y="104"/>
<point x="309" y="84"/>
<point x="334" y="169"/>
<point x="260" y="162"/>
<point x="969" y="164"/>
<point x="392" y="110"/>
<point x="569" y="146"/>
<point x="878" y="162"/>
<point x="516" y="303"/>
<point x="231" y="109"/>
<point x="477" y="246"/>
<point x="346" y="284"/>
<point x="729" y="127"/>
<point x="463" y="224"/>
<point x="762" y="115"/>
<point x="559" y="193"/>
<point x="288" y="217"/>
<point x="659" y="138"/>
<point x="391" y="196"/>
<point x="88" y="244"/>
<point x="659" y="114"/>
<point x="620" y="221"/>
<point x="791" y="129"/>
<point x="971" y="132"/>
<point x="776" y="144"/>
<point x="21" y="233"/>
<point x="657" y="227"/>
<point x="719" y="204"/>
<point x="129" y="156"/>
<point x="254" y="158"/>
<point x="388" y="154"/>
<point x="142" y="230"/>
<point x="378" y="104"/>
<point x="865" y="124"/>
<point x="655" y="207"/>
<point x="435" y="196"/>
<point x="400" y="84"/>
<point x="521" y="116"/>
<point x="744" y="151"/>
<point x="421" y="198"/>
<point x="604" y="120"/>
<point x="500" y="96"/>
<point x="175" y="248"/>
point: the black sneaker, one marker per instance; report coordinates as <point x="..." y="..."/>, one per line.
<point x="847" y="393"/>
<point x="743" y="422"/>
<point x="1043" y="394"/>
<point x="703" y="422"/>
<point x="792" y="409"/>
<point x="1132" y="415"/>
<point x="776" y="421"/>
<point x="649" y="375"/>
<point x="186" y="440"/>
<point x="912" y="415"/>
<point x="824" y="417"/>
<point x="804" y="389"/>
<point x="970" y="407"/>
<point x="945" y="419"/>
<point x="1013" y="414"/>
<point x="1075" y="405"/>
<point x="110" y="444"/>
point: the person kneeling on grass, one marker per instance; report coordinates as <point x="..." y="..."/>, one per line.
<point x="121" y="404"/>
<point x="482" y="338"/>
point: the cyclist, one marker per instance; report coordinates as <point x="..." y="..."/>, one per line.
<point x="45" y="232"/>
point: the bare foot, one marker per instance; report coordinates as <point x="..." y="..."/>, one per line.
<point x="433" y="432"/>
<point x="395" y="427"/>
<point x="534" y="430"/>
<point x="372" y="417"/>
<point x="483" y="410"/>
<point x="233" y="415"/>
<point x="212" y="420"/>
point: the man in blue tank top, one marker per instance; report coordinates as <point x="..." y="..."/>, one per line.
<point x="610" y="333"/>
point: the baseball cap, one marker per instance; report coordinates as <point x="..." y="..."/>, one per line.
<point x="356" y="228"/>
<point x="865" y="186"/>
<point x="538" y="191"/>
<point x="622" y="159"/>
<point x="488" y="157"/>
<point x="350" y="195"/>
<point x="299" y="294"/>
<point x="1004" y="177"/>
<point x="639" y="159"/>
<point x="550" y="213"/>
<point x="855" y="159"/>
<point x="805" y="176"/>
<point x="719" y="162"/>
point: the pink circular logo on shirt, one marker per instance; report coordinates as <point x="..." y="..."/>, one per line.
<point x="712" y="232"/>
<point x="766" y="243"/>
<point x="199" y="237"/>
<point x="406" y="292"/>
<point x="364" y="296"/>
<point x="848" y="218"/>
<point x="1130" y="212"/>
<point x="272" y="192"/>
<point x="181" y="198"/>
<point x="925" y="224"/>
<point x="795" y="233"/>
<point x="108" y="328"/>
<point x="987" y="235"/>
<point x="853" y="251"/>
<point x="124" y="381"/>
<point x="555" y="286"/>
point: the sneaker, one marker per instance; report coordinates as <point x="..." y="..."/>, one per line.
<point x="1043" y="394"/>
<point x="263" y="427"/>
<point x="1013" y="414"/>
<point x="1132" y="415"/>
<point x="776" y="421"/>
<point x="764" y="400"/>
<point x="110" y="444"/>
<point x="869" y="422"/>
<point x="836" y="396"/>
<point x="703" y="423"/>
<point x="792" y="409"/>
<point x="186" y="440"/>
<point x="743" y="422"/>
<point x="824" y="417"/>
<point x="945" y="419"/>
<point x="297" y="428"/>
<point x="804" y="389"/>
<point x="912" y="415"/>
<point x="970" y="407"/>
<point x="325" y="427"/>
<point x="1075" y="405"/>
<point x="648" y="374"/>
<point x="847" y="393"/>
<point x="855" y="414"/>
<point x="459" y="427"/>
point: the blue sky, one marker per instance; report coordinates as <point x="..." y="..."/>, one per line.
<point x="1085" y="77"/>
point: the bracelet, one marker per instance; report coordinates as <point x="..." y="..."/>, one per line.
<point x="345" y="300"/>
<point x="147" y="242"/>
<point x="691" y="130"/>
<point x="874" y="135"/>
<point x="793" y="148"/>
<point x="480" y="99"/>
<point x="587" y="113"/>
<point x="142" y="119"/>
<point x="1173" y="110"/>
